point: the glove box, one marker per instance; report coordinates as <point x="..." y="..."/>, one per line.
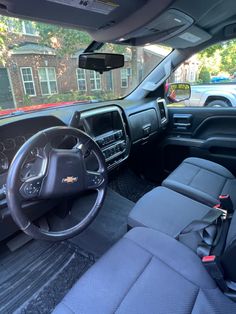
<point x="143" y="124"/>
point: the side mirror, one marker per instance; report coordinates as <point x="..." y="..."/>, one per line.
<point x="178" y="92"/>
<point x="101" y="62"/>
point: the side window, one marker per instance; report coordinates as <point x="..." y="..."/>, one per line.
<point x="211" y="75"/>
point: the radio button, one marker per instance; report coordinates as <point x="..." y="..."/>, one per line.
<point x="118" y="134"/>
<point x="122" y="146"/>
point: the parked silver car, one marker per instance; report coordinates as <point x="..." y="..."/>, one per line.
<point x="213" y="95"/>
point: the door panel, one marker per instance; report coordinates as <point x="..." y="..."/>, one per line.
<point x="208" y="133"/>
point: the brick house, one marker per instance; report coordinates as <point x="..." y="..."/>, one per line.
<point x="35" y="74"/>
<point x="188" y="71"/>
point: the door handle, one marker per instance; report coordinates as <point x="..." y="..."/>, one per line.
<point x="179" y="124"/>
<point x="182" y="121"/>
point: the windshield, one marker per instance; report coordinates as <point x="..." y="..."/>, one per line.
<point x="39" y="67"/>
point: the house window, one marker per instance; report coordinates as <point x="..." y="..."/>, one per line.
<point x="192" y="76"/>
<point x="48" y="82"/>
<point x="95" y="80"/>
<point x="124" y="77"/>
<point x="109" y="81"/>
<point x="11" y="25"/>
<point x="28" y="81"/>
<point x="22" y="27"/>
<point x="28" y="28"/>
<point x="81" y="79"/>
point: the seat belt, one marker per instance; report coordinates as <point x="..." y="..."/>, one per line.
<point x="226" y="203"/>
<point x="214" y="268"/>
<point x="211" y="216"/>
<point x="199" y="235"/>
<point x="216" y="242"/>
<point x="224" y="209"/>
<point x="213" y="244"/>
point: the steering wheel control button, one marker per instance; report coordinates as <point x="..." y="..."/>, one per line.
<point x="94" y="180"/>
<point x="31" y="189"/>
<point x="3" y="192"/>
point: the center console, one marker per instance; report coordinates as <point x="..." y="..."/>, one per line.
<point x="106" y="126"/>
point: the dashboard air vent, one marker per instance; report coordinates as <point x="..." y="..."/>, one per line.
<point x="162" y="109"/>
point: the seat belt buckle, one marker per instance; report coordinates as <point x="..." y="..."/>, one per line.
<point x="213" y="266"/>
<point x="224" y="214"/>
<point x="226" y="203"/>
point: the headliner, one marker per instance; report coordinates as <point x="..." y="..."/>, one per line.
<point x="137" y="22"/>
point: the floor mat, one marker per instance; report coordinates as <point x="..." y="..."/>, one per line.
<point x="37" y="276"/>
<point x="108" y="227"/>
<point x="131" y="186"/>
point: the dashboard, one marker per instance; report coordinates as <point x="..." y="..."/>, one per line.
<point x="116" y="128"/>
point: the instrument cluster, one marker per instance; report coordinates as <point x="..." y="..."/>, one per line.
<point x="8" y="149"/>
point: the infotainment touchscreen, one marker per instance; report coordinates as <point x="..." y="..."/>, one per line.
<point x="103" y="123"/>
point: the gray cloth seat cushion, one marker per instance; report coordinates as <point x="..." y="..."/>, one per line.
<point x="202" y="180"/>
<point x="167" y="211"/>
<point x="146" y="272"/>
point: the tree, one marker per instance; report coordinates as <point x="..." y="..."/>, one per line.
<point x="66" y="41"/>
<point x="5" y="39"/>
<point x="2" y="40"/>
<point x="220" y="57"/>
<point x="212" y="62"/>
<point x="209" y="52"/>
<point x="134" y="65"/>
<point x="229" y="58"/>
<point x="204" y="75"/>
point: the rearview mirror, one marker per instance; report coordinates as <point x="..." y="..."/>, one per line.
<point x="101" y="62"/>
<point x="177" y="92"/>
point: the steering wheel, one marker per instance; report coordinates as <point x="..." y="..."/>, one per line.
<point x="58" y="173"/>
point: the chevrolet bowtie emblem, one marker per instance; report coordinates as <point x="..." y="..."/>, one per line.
<point x="69" y="180"/>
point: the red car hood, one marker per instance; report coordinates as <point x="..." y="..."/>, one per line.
<point x="39" y="107"/>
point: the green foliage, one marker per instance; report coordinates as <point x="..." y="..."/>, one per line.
<point x="65" y="41"/>
<point x="209" y="52"/>
<point x="78" y="96"/>
<point x="27" y="100"/>
<point x="102" y="95"/>
<point x="64" y="97"/>
<point x="115" y="48"/>
<point x="7" y="24"/>
<point x="204" y="76"/>
<point x="229" y="57"/>
<point x="220" y="57"/>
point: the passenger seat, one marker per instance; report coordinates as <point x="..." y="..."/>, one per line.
<point x="202" y="180"/>
<point x="147" y="272"/>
